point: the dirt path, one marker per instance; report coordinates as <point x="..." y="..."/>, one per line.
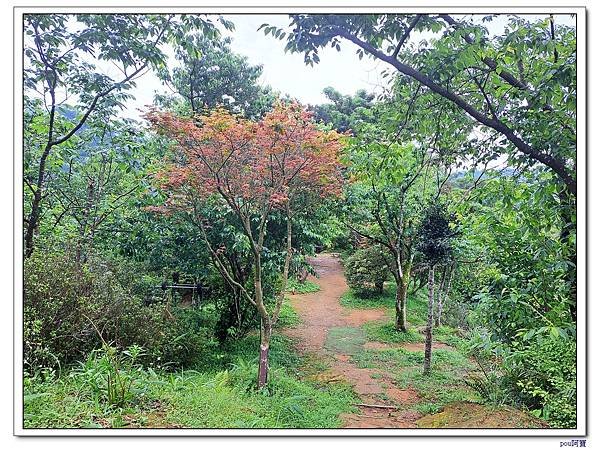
<point x="332" y="332"/>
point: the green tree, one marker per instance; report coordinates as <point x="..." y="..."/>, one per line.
<point x="391" y="185"/>
<point x="345" y="113"/>
<point x="211" y="74"/>
<point x="520" y="84"/>
<point x="435" y="236"/>
<point x="62" y="55"/>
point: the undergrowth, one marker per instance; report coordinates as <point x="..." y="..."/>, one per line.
<point x="304" y="287"/>
<point x="220" y="393"/>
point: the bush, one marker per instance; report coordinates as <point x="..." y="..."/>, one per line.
<point x="366" y="271"/>
<point x="112" y="376"/>
<point x="545" y="376"/>
<point x="66" y="305"/>
<point x="538" y="373"/>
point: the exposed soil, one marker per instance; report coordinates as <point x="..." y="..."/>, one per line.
<point x="331" y="333"/>
<point x="322" y="313"/>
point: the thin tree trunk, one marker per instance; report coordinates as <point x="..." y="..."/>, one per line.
<point x="265" y="324"/>
<point x="428" y="330"/>
<point x="286" y="265"/>
<point x="402" y="281"/>
<point x="32" y="222"/>
<point x="401" y="305"/>
<point x="443" y="296"/>
<point x="36" y="204"/>
<point x="263" y="362"/>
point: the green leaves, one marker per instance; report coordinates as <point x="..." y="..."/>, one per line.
<point x="211" y="75"/>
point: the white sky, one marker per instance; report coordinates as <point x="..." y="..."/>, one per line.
<point x="286" y="72"/>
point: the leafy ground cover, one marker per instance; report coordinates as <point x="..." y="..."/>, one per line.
<point x="221" y="394"/>
<point x="304" y="287"/>
<point x="288" y="317"/>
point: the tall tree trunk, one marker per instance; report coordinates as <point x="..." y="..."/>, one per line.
<point x="36" y="205"/>
<point x="401" y="305"/>
<point x="443" y="294"/>
<point x="263" y="362"/>
<point x="428" y="330"/>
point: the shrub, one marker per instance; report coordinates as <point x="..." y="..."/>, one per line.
<point x="64" y="302"/>
<point x="538" y="373"/>
<point x="366" y="271"/>
<point x="545" y="377"/>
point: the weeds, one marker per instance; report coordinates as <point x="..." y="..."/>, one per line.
<point x="387" y="333"/>
<point x="220" y="395"/>
<point x="304" y="287"/>
<point x="109" y="375"/>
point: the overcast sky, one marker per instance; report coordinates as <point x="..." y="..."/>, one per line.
<point x="286" y="72"/>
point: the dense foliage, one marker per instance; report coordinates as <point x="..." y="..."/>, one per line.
<point x="70" y="309"/>
<point x="172" y="243"/>
<point x="366" y="271"/>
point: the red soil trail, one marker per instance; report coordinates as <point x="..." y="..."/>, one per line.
<point x="320" y="312"/>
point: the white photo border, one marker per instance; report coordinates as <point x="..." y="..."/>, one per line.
<point x="147" y="7"/>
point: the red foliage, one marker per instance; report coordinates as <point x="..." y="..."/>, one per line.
<point x="251" y="165"/>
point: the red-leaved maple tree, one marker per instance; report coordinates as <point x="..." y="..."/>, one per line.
<point x="253" y="168"/>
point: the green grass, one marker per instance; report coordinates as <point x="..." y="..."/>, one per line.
<point x="445" y="384"/>
<point x="416" y="308"/>
<point x="351" y="299"/>
<point x="449" y="336"/>
<point x="228" y="400"/>
<point x="345" y="340"/>
<point x="220" y="394"/>
<point x="288" y="317"/>
<point x="306" y="287"/>
<point x="442" y="386"/>
<point x="387" y="333"/>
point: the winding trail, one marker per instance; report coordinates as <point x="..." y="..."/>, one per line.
<point x="322" y="314"/>
<point x="331" y="333"/>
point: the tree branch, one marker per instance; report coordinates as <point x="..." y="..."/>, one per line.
<point x="557" y="166"/>
<point x="506" y="76"/>
<point x="404" y="37"/>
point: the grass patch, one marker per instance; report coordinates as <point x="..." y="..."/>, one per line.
<point x="228" y="400"/>
<point x="449" y="336"/>
<point x="472" y="415"/>
<point x="445" y="384"/>
<point x="345" y="340"/>
<point x="351" y="299"/>
<point x="288" y="317"/>
<point x="219" y="394"/>
<point x="387" y="333"/>
<point x="305" y="287"/>
<point x="416" y="308"/>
